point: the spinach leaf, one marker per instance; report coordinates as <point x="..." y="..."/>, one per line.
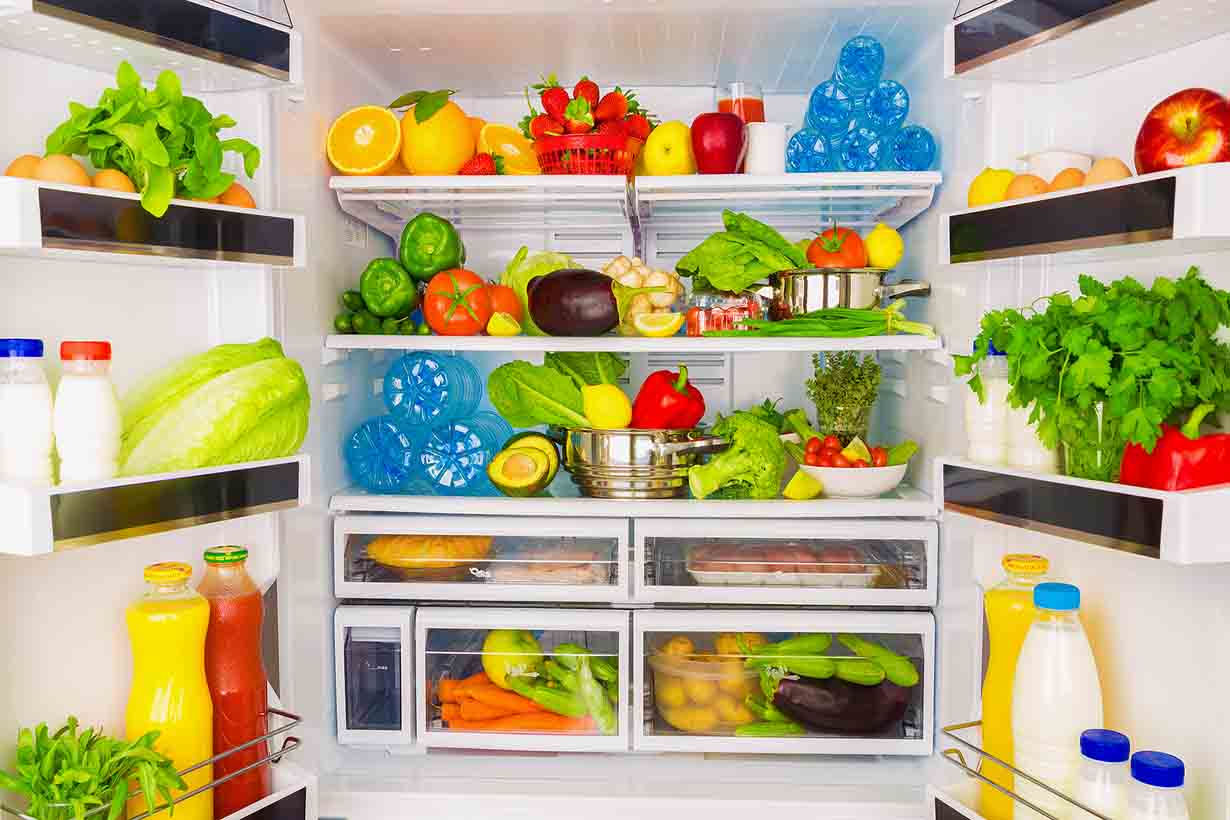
<point x="527" y="395"/>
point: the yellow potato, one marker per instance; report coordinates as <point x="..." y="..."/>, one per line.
<point x="733" y="711"/>
<point x="728" y="642"/>
<point x="697" y="720"/>
<point x="734" y="681"/>
<point x="700" y="691"/>
<point x="678" y="645"/>
<point x="668" y="691"/>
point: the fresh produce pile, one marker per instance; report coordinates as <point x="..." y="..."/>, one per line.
<point x="634" y="273"/>
<point x="527" y="395"/>
<point x="523" y="689"/>
<point x="1117" y="365"/>
<point x="994" y="185"/>
<point x="586" y="110"/>
<point x="835" y="323"/>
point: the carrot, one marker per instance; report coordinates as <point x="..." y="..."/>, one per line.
<point x="471" y="709"/>
<point x="450" y="711"/>
<point x="547" y="722"/>
<point x="509" y="702"/>
<point x="449" y="690"/>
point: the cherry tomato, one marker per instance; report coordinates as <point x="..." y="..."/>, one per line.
<point x="825" y="459"/>
<point x="879" y="457"/>
<point x="811" y="459"/>
<point x="813" y="445"/>
<point x="839" y="460"/>
<point x="832" y="443"/>
<point x="859" y="462"/>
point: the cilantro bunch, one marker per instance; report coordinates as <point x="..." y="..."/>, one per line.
<point x="165" y="142"/>
<point x="1110" y="366"/>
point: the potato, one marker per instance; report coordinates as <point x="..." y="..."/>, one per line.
<point x="697" y="720"/>
<point x="700" y="691"/>
<point x="678" y="645"/>
<point x="733" y="711"/>
<point x="668" y="691"/>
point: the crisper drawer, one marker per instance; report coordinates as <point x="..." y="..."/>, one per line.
<point x="480" y="558"/>
<point x="704" y="684"/>
<point x="523" y="679"/>
<point x="756" y="561"/>
<point x="372" y="660"/>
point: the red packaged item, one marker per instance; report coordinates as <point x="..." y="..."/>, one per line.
<point x="710" y="310"/>
<point x="1178" y="462"/>
<point x="237" y="682"/>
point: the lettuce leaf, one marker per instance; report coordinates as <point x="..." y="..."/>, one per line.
<point x="523" y="269"/>
<point x="588" y="368"/>
<point x="527" y="395"/>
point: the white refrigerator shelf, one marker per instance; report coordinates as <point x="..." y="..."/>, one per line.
<point x="682" y="345"/>
<point x="41" y="520"/>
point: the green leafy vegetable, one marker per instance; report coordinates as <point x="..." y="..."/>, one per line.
<point x="165" y="142"/>
<point x="751" y="467"/>
<point x="66" y="774"/>
<point x="1111" y="365"/>
<point x="523" y="269"/>
<point x="767" y="411"/>
<point x="844" y="387"/>
<point x="527" y="395"/>
<point x="746" y="253"/>
<point x="588" y="368"/>
<point x="742" y="223"/>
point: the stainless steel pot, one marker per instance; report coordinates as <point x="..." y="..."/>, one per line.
<point x="633" y="464"/>
<point x="795" y="292"/>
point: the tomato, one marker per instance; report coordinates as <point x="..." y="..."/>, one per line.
<point x="837" y="248"/>
<point x="504" y="300"/>
<point x="825" y="458"/>
<point x="813" y="445"/>
<point x="839" y="460"/>
<point x="457" y="303"/>
<point x="831" y="443"/>
<point x="879" y="457"/>
<point x="859" y="462"/>
<point x="811" y="459"/>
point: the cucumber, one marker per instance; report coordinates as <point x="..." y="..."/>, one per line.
<point x="861" y="671"/>
<point x="899" y="669"/>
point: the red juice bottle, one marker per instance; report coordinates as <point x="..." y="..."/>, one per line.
<point x="237" y="682"/>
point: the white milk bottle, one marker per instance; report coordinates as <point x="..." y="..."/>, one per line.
<point x="87" y="413"/>
<point x="1156" y="790"/>
<point x="25" y="413"/>
<point x="986" y="422"/>
<point x="1103" y="779"/>
<point x="1056" y="695"/>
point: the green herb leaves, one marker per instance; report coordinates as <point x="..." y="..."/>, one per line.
<point x="426" y="103"/>
<point x="843" y="380"/>
<point x="67" y="774"/>
<point x="165" y="142"/>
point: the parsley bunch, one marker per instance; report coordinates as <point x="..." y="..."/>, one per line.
<point x="1110" y="366"/>
<point x="844" y="387"/>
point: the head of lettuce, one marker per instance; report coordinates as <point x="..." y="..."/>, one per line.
<point x="232" y="403"/>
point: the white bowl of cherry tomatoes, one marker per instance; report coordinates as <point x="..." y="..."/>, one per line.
<point x="846" y="478"/>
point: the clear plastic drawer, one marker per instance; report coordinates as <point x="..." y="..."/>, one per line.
<point x="373" y="675"/>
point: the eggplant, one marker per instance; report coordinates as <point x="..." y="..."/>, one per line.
<point x="834" y="705"/>
<point x="579" y="302"/>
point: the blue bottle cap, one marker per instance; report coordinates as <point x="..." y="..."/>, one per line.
<point x="1157" y="769"/>
<point x="21" y="348"/>
<point x="1058" y="597"/>
<point x="1105" y="745"/>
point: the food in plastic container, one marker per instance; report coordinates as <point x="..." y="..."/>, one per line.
<point x="716" y="310"/>
<point x="781" y="564"/>
<point x="702" y="693"/>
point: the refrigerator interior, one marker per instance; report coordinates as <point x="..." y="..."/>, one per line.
<point x="1153" y="625"/>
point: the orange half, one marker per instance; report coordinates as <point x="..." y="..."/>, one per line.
<point x="364" y="141"/>
<point x="511" y="144"/>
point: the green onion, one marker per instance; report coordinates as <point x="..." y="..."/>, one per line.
<point x="836" y="323"/>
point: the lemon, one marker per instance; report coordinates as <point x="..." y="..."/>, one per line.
<point x="990" y="186"/>
<point x="503" y="324"/>
<point x="857" y="449"/>
<point x="657" y="325"/>
<point x="802" y="487"/>
<point x="439" y="146"/>
<point x="511" y="144"/>
<point x="606" y="406"/>
<point x="884" y="247"/>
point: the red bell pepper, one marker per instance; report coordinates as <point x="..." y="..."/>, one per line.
<point x="667" y="402"/>
<point x="1181" y="460"/>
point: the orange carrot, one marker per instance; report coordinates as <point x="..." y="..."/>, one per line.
<point x="472" y="709"/>
<point x="510" y="702"/>
<point x="547" y="722"/>
<point x="449" y="690"/>
<point x="450" y="711"/>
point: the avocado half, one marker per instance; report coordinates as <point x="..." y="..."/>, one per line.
<point x="520" y="471"/>
<point x="539" y="442"/>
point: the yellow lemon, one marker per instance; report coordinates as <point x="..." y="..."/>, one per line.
<point x="657" y="325"/>
<point x="503" y="324"/>
<point x="884" y="247"/>
<point x="511" y="144"/>
<point x="606" y="406"/>
<point x="440" y="145"/>
<point x="990" y="186"/>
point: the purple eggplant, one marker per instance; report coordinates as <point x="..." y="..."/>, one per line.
<point x="579" y="302"/>
<point x="833" y="705"/>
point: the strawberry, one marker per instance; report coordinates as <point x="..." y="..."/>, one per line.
<point x="611" y="127"/>
<point x="614" y="106"/>
<point x="586" y="90"/>
<point x="577" y="117"/>
<point x="483" y="165"/>
<point x="553" y="96"/>
<point x="638" y="127"/>
<point x="544" y="126"/>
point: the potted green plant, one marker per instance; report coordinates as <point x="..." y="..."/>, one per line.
<point x="844" y="388"/>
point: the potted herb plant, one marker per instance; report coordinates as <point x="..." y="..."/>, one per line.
<point x="844" y="388"/>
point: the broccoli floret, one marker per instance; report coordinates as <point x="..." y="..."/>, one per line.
<point x="754" y="461"/>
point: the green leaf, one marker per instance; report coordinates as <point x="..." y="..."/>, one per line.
<point x="429" y="104"/>
<point x="153" y="150"/>
<point x="250" y="153"/>
<point x="156" y="197"/>
<point x="169" y="87"/>
<point x="408" y="99"/>
<point x="527" y="395"/>
<point x="126" y="77"/>
<point x="221" y="122"/>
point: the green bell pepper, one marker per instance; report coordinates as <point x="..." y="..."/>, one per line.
<point x="429" y="244"/>
<point x="559" y="701"/>
<point x="387" y="290"/>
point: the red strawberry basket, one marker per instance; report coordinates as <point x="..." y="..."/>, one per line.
<point x="587" y="154"/>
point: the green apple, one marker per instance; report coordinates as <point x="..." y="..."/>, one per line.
<point x="668" y="151"/>
<point x="510" y="651"/>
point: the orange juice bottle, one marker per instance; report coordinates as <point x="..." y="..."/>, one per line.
<point x="1010" y="613"/>
<point x="170" y="693"/>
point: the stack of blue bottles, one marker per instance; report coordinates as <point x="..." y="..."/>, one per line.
<point x="432" y="441"/>
<point x="856" y="120"/>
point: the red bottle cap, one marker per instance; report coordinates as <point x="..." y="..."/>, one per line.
<point x="89" y="351"/>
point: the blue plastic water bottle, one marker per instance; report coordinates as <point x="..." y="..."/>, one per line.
<point x="859" y="65"/>
<point x="380" y="455"/>
<point x="808" y="153"/>
<point x="910" y="149"/>
<point x="829" y="110"/>
<point x="888" y="104"/>
<point x="428" y="387"/>
<point x="455" y="454"/>
<point x="861" y="150"/>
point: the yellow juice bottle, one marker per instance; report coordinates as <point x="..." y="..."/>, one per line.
<point x="1010" y="613"/>
<point x="170" y="693"/>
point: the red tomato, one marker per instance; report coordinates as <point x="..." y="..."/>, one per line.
<point x="837" y="248"/>
<point x="457" y="303"/>
<point x="813" y="445"/>
<point x="812" y="459"/>
<point x="840" y="461"/>
<point x="831" y="443"/>
<point x="504" y="300"/>
<point x="826" y="458"/>
<point x="879" y="457"/>
<point x="859" y="462"/>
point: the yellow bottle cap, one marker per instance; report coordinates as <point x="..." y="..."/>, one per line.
<point x="167" y="572"/>
<point x="1025" y="564"/>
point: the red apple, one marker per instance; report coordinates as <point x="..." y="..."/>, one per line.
<point x="718" y="142"/>
<point x="1190" y="127"/>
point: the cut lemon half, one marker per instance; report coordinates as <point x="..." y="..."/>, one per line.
<point x="365" y="141"/>
<point x="511" y="144"/>
<point x="657" y="325"/>
<point x="503" y="324"/>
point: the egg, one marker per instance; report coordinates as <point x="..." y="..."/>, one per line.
<point x="24" y="166"/>
<point x="237" y="196"/>
<point x="1025" y="185"/>
<point x="1107" y="169"/>
<point x="113" y="180"/>
<point x="1068" y="178"/>
<point x="62" y="169"/>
